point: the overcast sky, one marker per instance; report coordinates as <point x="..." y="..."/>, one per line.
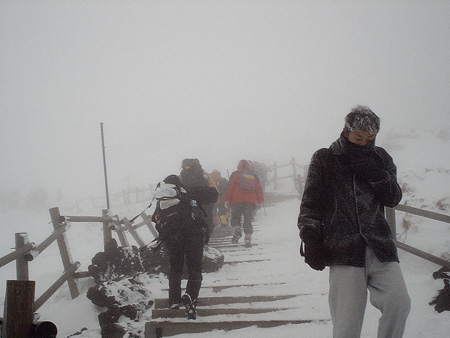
<point x="218" y="80"/>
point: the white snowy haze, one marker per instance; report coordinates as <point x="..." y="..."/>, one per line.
<point x="219" y="80"/>
<point x="216" y="80"/>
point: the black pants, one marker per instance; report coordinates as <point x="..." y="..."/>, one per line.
<point x="246" y="209"/>
<point x="187" y="247"/>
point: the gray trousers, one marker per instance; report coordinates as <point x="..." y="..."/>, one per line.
<point x="348" y="297"/>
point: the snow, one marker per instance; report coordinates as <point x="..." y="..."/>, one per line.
<point x="425" y="185"/>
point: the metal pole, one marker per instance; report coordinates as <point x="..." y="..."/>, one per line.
<point x="104" y="167"/>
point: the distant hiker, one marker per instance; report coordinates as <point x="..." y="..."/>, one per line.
<point x="178" y="218"/>
<point x="221" y="213"/>
<point x="261" y="171"/>
<point x="342" y="225"/>
<point x="244" y="195"/>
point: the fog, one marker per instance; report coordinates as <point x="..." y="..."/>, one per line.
<point x="216" y="80"/>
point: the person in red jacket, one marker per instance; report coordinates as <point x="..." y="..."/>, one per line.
<point x="244" y="194"/>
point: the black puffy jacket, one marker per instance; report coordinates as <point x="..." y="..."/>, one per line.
<point x="345" y="209"/>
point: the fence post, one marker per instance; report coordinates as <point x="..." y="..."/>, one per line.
<point x="107" y="232"/>
<point x="133" y="232"/>
<point x="390" y="218"/>
<point x="148" y="223"/>
<point x="275" y="186"/>
<point x="294" y="171"/>
<point x="19" y="308"/>
<point x="65" y="254"/>
<point x="120" y="230"/>
<point x="21" y="262"/>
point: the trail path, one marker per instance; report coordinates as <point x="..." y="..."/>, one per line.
<point x="262" y="297"/>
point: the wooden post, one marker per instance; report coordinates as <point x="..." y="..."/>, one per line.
<point x="120" y="230"/>
<point x="21" y="262"/>
<point x="148" y="222"/>
<point x="390" y="218"/>
<point x="275" y="186"/>
<point x="294" y="171"/>
<point x="19" y="309"/>
<point x="56" y="285"/>
<point x="65" y="254"/>
<point x="133" y="232"/>
<point x="107" y="233"/>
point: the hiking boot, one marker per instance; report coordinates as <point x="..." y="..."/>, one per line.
<point x="191" y="310"/>
<point x="248" y="240"/>
<point x="175" y="306"/>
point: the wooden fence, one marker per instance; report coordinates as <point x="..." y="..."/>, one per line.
<point x="280" y="173"/>
<point x="26" y="251"/>
<point x="390" y="216"/>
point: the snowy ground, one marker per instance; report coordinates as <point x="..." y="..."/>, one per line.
<point x="277" y="238"/>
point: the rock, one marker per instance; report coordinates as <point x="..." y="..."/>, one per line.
<point x="116" y="262"/>
<point x="442" y="301"/>
<point x="212" y="259"/>
<point x="126" y="297"/>
<point x="120" y="273"/>
<point x="443" y="272"/>
<point x="155" y="262"/>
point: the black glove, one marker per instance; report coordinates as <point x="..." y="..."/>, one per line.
<point x="366" y="164"/>
<point x="315" y="255"/>
<point x="314" y="251"/>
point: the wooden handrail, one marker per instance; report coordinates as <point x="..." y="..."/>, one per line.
<point x="423" y="254"/>
<point x="390" y="217"/>
<point x="424" y="213"/>
<point x="75" y="219"/>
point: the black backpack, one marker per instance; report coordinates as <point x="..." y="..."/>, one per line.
<point x="174" y="209"/>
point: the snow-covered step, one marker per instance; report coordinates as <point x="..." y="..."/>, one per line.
<point x="240" y="248"/>
<point x="229" y="245"/>
<point x="218" y="288"/>
<point x="216" y="311"/>
<point x="208" y="301"/>
<point x="232" y="262"/>
<point x="158" y="329"/>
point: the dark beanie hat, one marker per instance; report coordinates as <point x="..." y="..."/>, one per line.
<point x="362" y="118"/>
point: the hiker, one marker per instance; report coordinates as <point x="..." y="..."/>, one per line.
<point x="342" y="225"/>
<point x="193" y="176"/>
<point x="261" y="171"/>
<point x="180" y="225"/>
<point x="244" y="195"/>
<point x="221" y="213"/>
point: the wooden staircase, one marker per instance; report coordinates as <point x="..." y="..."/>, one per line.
<point x="225" y="312"/>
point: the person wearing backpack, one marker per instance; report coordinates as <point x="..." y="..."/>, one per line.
<point x="179" y="220"/>
<point x="244" y="195"/>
